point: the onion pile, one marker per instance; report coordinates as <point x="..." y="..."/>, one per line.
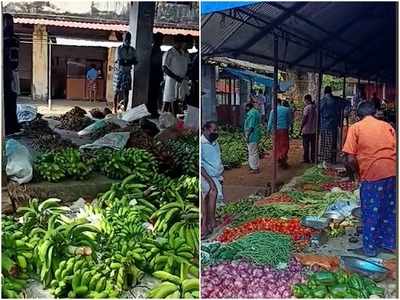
<point x="240" y="279"/>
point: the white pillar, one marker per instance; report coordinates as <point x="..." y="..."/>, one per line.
<point x="40" y="78"/>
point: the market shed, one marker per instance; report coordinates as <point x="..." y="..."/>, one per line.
<point x="339" y="38"/>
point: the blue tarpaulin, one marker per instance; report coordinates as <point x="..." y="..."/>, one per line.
<point x="210" y="7"/>
<point x="255" y="77"/>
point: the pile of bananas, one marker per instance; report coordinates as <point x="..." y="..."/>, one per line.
<point x="174" y="287"/>
<point x="16" y="259"/>
<point x="186" y="154"/>
<point x="56" y="166"/>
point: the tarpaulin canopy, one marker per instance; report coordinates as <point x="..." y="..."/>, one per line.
<point x="353" y="39"/>
<point x="255" y="77"/>
<point x="209" y="7"/>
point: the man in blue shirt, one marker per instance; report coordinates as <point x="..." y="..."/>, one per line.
<point x="330" y="110"/>
<point x="211" y="176"/>
<point x="282" y="132"/>
<point x="91" y="77"/>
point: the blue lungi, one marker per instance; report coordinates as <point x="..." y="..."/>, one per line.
<point x="378" y="205"/>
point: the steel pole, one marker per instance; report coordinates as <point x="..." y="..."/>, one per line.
<point x="320" y="76"/>
<point x="342" y="113"/>
<point x="275" y="112"/>
<point x="49" y="74"/>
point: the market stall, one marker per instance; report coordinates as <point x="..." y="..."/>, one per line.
<point x="295" y="243"/>
<point x="138" y="238"/>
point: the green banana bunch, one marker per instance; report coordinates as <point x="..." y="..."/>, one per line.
<point x="174" y="287"/>
<point x="47" y="169"/>
<point x="186" y="154"/>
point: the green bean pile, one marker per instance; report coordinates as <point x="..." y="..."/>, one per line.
<point x="264" y="248"/>
<point x="315" y="175"/>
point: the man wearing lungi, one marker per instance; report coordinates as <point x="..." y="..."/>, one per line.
<point x="282" y="132"/>
<point x="211" y="177"/>
<point x="123" y="83"/>
<point x="329" y="123"/>
<point x="252" y="132"/>
<point x="370" y="150"/>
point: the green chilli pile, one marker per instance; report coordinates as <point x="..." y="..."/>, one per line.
<point x="140" y="226"/>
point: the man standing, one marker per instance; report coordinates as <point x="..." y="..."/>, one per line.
<point x="282" y="132"/>
<point x="10" y="62"/>
<point x="192" y="100"/>
<point x="252" y="132"/>
<point x="91" y="78"/>
<point x="126" y="59"/>
<point x="261" y="103"/>
<point x="370" y="151"/>
<point x="308" y="129"/>
<point x="376" y="101"/>
<point x="156" y="75"/>
<point x="211" y="177"/>
<point x="329" y="119"/>
<point x="175" y="66"/>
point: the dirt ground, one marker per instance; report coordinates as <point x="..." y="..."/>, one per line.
<point x="239" y="183"/>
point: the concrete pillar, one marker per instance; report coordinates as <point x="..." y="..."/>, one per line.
<point x="208" y="99"/>
<point x="141" y="21"/>
<point x="244" y="92"/>
<point x="40" y="63"/>
<point x="112" y="52"/>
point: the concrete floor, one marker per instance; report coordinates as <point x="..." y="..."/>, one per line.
<point x="61" y="106"/>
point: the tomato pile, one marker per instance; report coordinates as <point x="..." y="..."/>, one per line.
<point x="290" y="227"/>
<point x="275" y="198"/>
<point x="344" y="185"/>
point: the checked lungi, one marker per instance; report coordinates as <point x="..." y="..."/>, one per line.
<point x="328" y="146"/>
<point x="282" y="143"/>
<point x="378" y="206"/>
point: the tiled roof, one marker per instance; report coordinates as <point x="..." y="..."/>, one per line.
<point x="99" y="26"/>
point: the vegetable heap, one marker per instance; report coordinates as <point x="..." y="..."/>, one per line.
<point x="240" y="279"/>
<point x="291" y="227"/>
<point x="315" y="175"/>
<point x="108" y="247"/>
<point x="337" y="285"/>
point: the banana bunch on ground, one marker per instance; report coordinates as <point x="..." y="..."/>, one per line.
<point x="168" y="254"/>
<point x="184" y="286"/>
<point x="186" y="155"/>
<point x="126" y="162"/>
<point x="74" y="237"/>
<point x="73" y="163"/>
<point x="174" y="213"/>
<point x="186" y="231"/>
<point x="16" y="258"/>
<point x="37" y="215"/>
<point x="47" y="169"/>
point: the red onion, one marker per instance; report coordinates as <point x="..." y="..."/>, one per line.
<point x="244" y="280"/>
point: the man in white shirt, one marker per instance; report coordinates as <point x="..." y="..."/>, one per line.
<point x="175" y="67"/>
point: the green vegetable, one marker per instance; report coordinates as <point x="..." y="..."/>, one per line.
<point x="339" y="291"/>
<point x="320" y="292"/>
<point x="376" y="290"/>
<point x="341" y="276"/>
<point x="325" y="278"/>
<point x="298" y="290"/>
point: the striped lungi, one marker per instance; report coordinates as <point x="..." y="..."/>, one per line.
<point x="328" y="145"/>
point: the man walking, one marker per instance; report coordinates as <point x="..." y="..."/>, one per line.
<point x="370" y="151"/>
<point x="91" y="78"/>
<point x="308" y="129"/>
<point x="329" y="120"/>
<point x="126" y="59"/>
<point x="252" y="132"/>
<point x="175" y="66"/>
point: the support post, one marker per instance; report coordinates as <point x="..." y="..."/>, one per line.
<point x="275" y="112"/>
<point x="342" y="114"/>
<point x="40" y="61"/>
<point x="141" y="21"/>
<point x="320" y="76"/>
<point x="49" y="73"/>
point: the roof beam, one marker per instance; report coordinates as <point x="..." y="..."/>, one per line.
<point x="268" y="28"/>
<point x="336" y="34"/>
<point x="238" y="19"/>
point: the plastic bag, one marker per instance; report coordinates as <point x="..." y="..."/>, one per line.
<point x="115" y="140"/>
<point x="19" y="162"/>
<point x="26" y="113"/>
<point x="102" y="123"/>
<point x="135" y="113"/>
<point x="167" y="120"/>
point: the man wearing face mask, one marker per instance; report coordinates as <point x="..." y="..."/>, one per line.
<point x="370" y="151"/>
<point x="252" y="130"/>
<point x="126" y="59"/>
<point x="211" y="177"/>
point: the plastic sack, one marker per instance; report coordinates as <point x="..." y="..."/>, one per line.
<point x="167" y="120"/>
<point x="19" y="162"/>
<point x="92" y="128"/>
<point x="135" y="113"/>
<point x="115" y="140"/>
<point x="192" y="118"/>
<point x="26" y="113"/>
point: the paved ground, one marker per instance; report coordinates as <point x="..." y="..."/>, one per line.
<point x="60" y="106"/>
<point x="239" y="183"/>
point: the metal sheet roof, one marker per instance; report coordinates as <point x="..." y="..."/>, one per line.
<point x="99" y="26"/>
<point x="354" y="38"/>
